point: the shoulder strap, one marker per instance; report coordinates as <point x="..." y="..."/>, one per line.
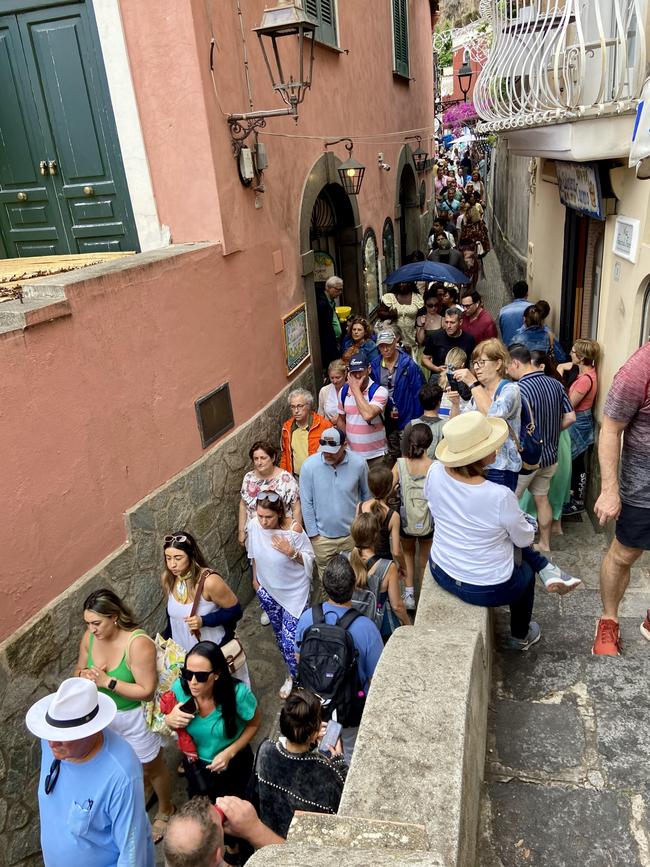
<point x="372" y="391"/>
<point x="135" y="634"/>
<point x="317" y="614"/>
<point x="197" y="598"/>
<point x="500" y="387"/>
<point x="348" y="618"/>
<point x="371" y="562"/>
<point x="344" y="394"/>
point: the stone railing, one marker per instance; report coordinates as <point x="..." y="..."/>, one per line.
<point x="413" y="790"/>
<point x="558" y="60"/>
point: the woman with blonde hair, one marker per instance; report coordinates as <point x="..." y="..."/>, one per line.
<point x="328" y="396"/>
<point x="377" y="574"/>
<point x="455" y="359"/>
<point x="120" y="659"/>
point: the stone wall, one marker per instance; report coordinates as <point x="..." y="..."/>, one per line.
<point x="507" y="218"/>
<point x="203" y="499"/>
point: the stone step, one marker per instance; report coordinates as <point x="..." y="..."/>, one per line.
<point x="18" y="315"/>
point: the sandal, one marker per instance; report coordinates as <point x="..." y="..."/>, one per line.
<point x="285" y="689"/>
<point x="159" y="825"/>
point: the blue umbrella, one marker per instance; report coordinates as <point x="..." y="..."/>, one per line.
<point x="426" y="271"/>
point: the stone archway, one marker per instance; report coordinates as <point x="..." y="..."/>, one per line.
<point x="407" y="205"/>
<point x="337" y="219"/>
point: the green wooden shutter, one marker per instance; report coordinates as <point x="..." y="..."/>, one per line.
<point x="401" y="37"/>
<point x="323" y="13"/>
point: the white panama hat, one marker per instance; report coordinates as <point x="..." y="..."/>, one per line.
<point x="76" y="710"/>
<point x="470" y="437"/>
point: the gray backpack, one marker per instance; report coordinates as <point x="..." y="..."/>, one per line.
<point x="414" y="509"/>
<point x="366" y="600"/>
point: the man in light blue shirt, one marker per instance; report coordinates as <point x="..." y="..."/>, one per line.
<point x="511" y="317"/>
<point x="332" y="483"/>
<point x="90" y="791"/>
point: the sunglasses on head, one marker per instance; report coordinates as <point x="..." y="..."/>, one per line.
<point x="201" y="676"/>
<point x="172" y="540"/>
<point x="271" y="496"/>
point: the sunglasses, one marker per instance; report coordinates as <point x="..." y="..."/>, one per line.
<point x="53" y="776"/>
<point x="329" y="442"/>
<point x="168" y="540"/>
<point x="201" y="676"/>
<point x="271" y="496"/>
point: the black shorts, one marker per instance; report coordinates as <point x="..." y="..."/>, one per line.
<point x="426" y="537"/>
<point x="633" y="527"/>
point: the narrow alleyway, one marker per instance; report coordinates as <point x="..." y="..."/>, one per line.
<point x="566" y="778"/>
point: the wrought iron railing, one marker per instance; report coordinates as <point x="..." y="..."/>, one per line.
<point x="558" y="60"/>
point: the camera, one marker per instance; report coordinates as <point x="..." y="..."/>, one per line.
<point x="456" y="385"/>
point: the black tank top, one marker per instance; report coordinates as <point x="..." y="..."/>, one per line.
<point x="382" y="548"/>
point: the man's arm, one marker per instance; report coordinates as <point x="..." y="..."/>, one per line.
<point x="367" y="410"/>
<point x="608" y="504"/>
<point x="307" y="502"/>
<point x="130" y="827"/>
<point x="242" y="821"/>
<point x="567" y="420"/>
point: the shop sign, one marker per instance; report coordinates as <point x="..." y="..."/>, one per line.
<point x="579" y="185"/>
<point x="323" y="267"/>
<point x="626" y="238"/>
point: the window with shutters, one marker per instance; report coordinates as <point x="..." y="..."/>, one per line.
<point x="323" y="13"/>
<point x="400" y="37"/>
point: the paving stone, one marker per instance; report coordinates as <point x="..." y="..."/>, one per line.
<point x="622" y="735"/>
<point x="541" y="826"/>
<point x="533" y="677"/>
<point x="538" y="737"/>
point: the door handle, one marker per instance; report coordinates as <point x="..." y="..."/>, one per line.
<point x="42" y="167"/>
<point x="22" y="197"/>
<point x="52" y="167"/>
<point x="89" y="191"/>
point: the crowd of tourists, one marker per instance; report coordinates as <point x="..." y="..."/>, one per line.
<point x="445" y="446"/>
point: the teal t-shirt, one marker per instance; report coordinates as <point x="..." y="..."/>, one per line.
<point x="208" y="732"/>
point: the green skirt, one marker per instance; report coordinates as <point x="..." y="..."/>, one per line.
<point x="559" y="492"/>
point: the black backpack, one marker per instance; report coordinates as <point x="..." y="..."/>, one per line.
<point x="328" y="666"/>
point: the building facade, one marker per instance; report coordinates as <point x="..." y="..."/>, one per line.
<point x="560" y="88"/>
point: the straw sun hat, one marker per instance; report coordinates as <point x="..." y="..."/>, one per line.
<point x="470" y="437"/>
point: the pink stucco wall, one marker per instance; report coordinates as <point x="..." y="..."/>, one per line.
<point x="99" y="406"/>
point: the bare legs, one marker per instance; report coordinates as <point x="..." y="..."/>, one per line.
<point x="414" y="575"/>
<point x="615" y="576"/>
<point x="157" y="773"/>
<point x="544" y="521"/>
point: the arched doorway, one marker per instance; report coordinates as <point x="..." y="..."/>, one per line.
<point x="407" y="209"/>
<point x="330" y="242"/>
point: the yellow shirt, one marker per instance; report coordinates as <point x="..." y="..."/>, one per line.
<point x="299" y="447"/>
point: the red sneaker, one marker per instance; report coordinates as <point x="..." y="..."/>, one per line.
<point x="608" y="638"/>
<point x="645" y="626"/>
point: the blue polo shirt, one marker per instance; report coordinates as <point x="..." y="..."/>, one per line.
<point x="329" y="495"/>
<point x="511" y="317"/>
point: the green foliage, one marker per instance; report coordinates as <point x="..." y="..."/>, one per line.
<point x="446" y="54"/>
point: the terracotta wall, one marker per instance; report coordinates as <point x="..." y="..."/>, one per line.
<point x="99" y="406"/>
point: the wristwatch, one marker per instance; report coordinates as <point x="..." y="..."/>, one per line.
<point x="112" y="683"/>
<point x="475" y="384"/>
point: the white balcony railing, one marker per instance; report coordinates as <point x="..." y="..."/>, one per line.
<point x="552" y="61"/>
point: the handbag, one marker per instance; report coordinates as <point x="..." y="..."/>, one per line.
<point x="529" y="444"/>
<point x="170" y="657"/>
<point x="232" y="649"/>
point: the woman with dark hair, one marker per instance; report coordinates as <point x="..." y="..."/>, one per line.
<point x="221" y="716"/>
<point x="290" y="773"/>
<point x="266" y="476"/>
<point x="359" y="339"/>
<point x="120" y="659"/>
<point x="282" y="559"/>
<point x="218" y="610"/>
<point x="380" y="485"/>
<point x="409" y="473"/>
<point x="533" y="333"/>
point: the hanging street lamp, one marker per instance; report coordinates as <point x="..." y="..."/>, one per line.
<point x="351" y="172"/>
<point x="465" y="76"/>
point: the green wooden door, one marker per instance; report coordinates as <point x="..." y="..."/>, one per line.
<point x="62" y="83"/>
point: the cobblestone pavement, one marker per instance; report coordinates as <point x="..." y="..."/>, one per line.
<point x="566" y="779"/>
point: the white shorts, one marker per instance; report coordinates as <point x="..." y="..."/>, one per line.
<point x="130" y="725"/>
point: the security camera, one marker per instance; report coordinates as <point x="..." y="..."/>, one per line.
<point x="380" y="162"/>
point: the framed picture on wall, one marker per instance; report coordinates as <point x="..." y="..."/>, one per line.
<point x="626" y="238"/>
<point x="296" y="338"/>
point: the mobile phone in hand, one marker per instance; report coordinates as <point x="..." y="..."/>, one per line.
<point x="331" y="736"/>
<point x="189" y="706"/>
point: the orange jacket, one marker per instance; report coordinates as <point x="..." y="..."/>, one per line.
<point x="317" y="425"/>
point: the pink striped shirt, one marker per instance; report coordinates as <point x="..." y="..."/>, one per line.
<point x="367" y="439"/>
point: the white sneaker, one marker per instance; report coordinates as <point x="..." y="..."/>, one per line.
<point x="556" y="580"/>
<point x="409" y="600"/>
<point x="285" y="689"/>
<point x="264" y="619"/>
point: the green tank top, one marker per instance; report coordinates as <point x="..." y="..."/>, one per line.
<point x="120" y="672"/>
